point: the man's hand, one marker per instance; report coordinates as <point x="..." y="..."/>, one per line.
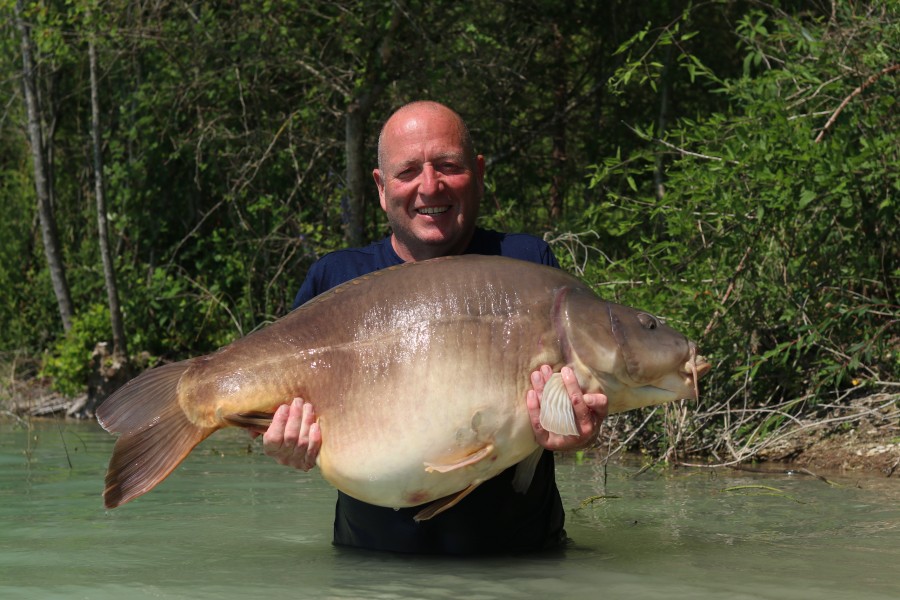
<point x="590" y="411"/>
<point x="294" y="438"/>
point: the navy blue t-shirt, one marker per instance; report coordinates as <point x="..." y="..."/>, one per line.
<point x="494" y="517"/>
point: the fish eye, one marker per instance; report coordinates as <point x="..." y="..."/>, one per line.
<point x="648" y="321"/>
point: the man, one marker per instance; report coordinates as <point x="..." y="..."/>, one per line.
<point x="430" y="183"/>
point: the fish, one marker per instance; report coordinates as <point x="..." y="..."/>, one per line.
<point x="417" y="374"/>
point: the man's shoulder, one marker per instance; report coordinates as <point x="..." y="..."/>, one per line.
<point x="524" y="240"/>
<point x="523" y="246"/>
<point x="342" y="265"/>
<point x="351" y="258"/>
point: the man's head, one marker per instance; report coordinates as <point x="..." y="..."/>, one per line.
<point x="430" y="181"/>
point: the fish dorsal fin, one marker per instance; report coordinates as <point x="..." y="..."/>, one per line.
<point x="557" y="414"/>
<point x="445" y="503"/>
<point x="525" y="471"/>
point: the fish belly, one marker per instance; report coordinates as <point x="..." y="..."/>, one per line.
<point x="429" y="412"/>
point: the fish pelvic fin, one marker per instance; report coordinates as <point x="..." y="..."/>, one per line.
<point x="557" y="414"/>
<point x="155" y="433"/>
<point x="468" y="460"/>
<point x="445" y="503"/>
<point x="255" y="421"/>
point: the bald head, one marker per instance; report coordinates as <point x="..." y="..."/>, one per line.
<point x="427" y="110"/>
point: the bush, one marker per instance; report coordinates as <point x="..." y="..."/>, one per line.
<point x="68" y="362"/>
<point x="774" y="241"/>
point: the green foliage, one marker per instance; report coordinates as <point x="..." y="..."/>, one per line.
<point x="68" y="361"/>
<point x="774" y="234"/>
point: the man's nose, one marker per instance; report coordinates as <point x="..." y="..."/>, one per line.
<point x="431" y="181"/>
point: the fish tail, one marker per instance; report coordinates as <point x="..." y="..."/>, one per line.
<point x="155" y="433"/>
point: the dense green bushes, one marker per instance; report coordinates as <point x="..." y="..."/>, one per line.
<point x="776" y="239"/>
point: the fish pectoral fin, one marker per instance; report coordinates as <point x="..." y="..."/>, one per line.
<point x="525" y="471"/>
<point x="445" y="503"/>
<point x="254" y="421"/>
<point x="557" y="414"/>
<point x="469" y="459"/>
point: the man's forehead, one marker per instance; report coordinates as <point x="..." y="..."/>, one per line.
<point x="423" y="133"/>
<point x="415" y="145"/>
<point x="426" y="127"/>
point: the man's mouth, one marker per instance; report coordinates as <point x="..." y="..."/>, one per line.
<point x="432" y="210"/>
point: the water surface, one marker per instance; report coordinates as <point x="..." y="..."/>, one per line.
<point x="230" y="523"/>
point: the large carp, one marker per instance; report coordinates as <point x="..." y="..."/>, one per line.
<point x="417" y="374"/>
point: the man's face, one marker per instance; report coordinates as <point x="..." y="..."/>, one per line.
<point x="429" y="188"/>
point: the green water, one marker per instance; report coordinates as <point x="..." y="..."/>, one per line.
<point x="232" y="524"/>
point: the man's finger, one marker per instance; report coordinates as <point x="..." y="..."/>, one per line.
<point x="294" y="425"/>
<point x="274" y="436"/>
<point x="537" y="383"/>
<point x="315" y="442"/>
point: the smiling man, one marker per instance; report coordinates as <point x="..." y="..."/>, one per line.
<point x="431" y="182"/>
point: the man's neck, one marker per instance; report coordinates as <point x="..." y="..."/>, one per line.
<point x="425" y="251"/>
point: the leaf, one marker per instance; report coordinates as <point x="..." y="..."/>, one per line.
<point x="806" y="196"/>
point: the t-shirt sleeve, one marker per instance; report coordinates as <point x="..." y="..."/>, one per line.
<point x="528" y="247"/>
<point x="548" y="258"/>
<point x="341" y="266"/>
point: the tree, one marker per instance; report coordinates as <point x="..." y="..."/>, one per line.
<point x="120" y="346"/>
<point x="42" y="177"/>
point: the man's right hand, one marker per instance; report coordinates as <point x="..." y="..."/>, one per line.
<point x="294" y="438"/>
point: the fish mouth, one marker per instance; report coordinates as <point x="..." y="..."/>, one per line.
<point x="432" y="210"/>
<point x="695" y="368"/>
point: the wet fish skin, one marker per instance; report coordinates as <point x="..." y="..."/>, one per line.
<point x="417" y="373"/>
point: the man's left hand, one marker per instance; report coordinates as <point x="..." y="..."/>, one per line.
<point x="590" y="411"/>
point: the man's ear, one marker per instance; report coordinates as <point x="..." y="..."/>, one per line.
<point x="379" y="183"/>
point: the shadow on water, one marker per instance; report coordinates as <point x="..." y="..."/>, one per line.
<point x="230" y="523"/>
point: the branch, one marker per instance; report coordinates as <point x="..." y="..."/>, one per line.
<point x="872" y="79"/>
<point x="681" y="151"/>
<point x="730" y="289"/>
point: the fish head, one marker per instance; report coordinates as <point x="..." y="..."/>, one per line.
<point x="635" y="358"/>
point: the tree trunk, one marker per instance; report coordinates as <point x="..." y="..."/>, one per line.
<point x="558" y="156"/>
<point x="659" y="177"/>
<point x="356" y="120"/>
<point x="356" y="123"/>
<point x="120" y="347"/>
<point x="42" y="182"/>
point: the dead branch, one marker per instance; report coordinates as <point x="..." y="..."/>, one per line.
<point x="868" y="82"/>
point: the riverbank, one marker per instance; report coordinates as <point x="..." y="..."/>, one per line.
<point x="864" y="435"/>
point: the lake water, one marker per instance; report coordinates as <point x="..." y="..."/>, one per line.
<point x="230" y="523"/>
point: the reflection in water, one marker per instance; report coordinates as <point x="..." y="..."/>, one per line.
<point x="233" y="524"/>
